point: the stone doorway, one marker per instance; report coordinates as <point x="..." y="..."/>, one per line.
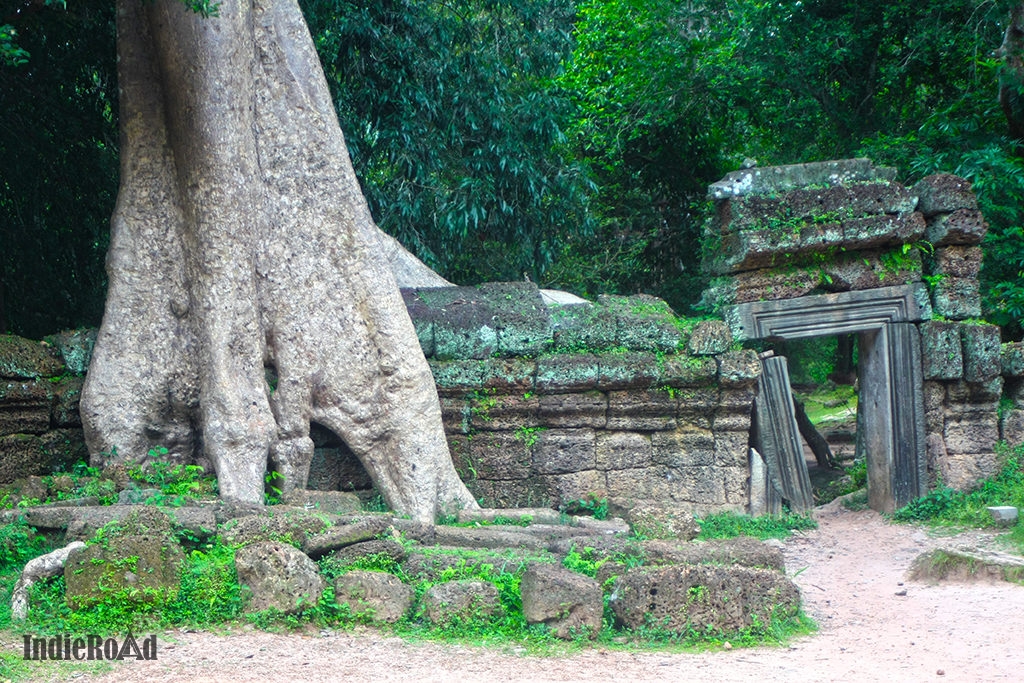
<point x="891" y="429"/>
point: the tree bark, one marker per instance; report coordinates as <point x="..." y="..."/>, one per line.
<point x="241" y="242"/>
<point x="819" y="446"/>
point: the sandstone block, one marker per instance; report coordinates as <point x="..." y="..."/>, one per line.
<point x="461" y="601"/>
<point x="569" y="604"/>
<point x="622" y="450"/>
<point x="373" y="596"/>
<point x="588" y="409"/>
<point x="957" y="298"/>
<point x="941" y="350"/>
<point x="565" y="450"/>
<point x="944" y="193"/>
<point x="982" y="360"/>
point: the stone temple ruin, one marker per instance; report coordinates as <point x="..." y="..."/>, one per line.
<point x="619" y="400"/>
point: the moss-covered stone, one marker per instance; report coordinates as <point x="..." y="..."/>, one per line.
<point x="22" y="358"/>
<point x="982" y="361"/>
<point x="941" y="350"/>
<point x="136" y="560"/>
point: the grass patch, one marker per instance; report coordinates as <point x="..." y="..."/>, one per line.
<point x="728" y="525"/>
<point x="945" y="507"/>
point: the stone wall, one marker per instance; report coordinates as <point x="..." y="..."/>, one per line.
<point x="784" y="233"/>
<point x="40" y="383"/>
<point x="548" y="405"/>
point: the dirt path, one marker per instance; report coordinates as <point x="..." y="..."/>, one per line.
<point x="850" y="571"/>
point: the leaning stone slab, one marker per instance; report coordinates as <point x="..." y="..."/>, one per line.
<point x="570" y="604"/>
<point x="278" y="577"/>
<point x="374" y="596"/>
<point x="460" y="601"/>
<point x="42" y="567"/>
<point x="345" y="534"/>
<point x="383" y="549"/>
<point x="686" y="597"/>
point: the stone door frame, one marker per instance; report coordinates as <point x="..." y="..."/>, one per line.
<point x="891" y="430"/>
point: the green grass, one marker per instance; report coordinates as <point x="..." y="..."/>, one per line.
<point x="945" y="507"/>
<point x="728" y="525"/>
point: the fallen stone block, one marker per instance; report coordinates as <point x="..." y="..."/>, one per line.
<point x="570" y="604"/>
<point x="373" y="596"/>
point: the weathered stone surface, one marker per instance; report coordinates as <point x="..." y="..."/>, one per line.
<point x="323" y="502"/>
<point x="679" y="370"/>
<point x="460" y="601"/>
<point x="773" y="179"/>
<point x="944" y="193"/>
<point x="25" y="406"/>
<point x="962" y="227"/>
<point x="1012" y="359"/>
<point x="521" y="318"/>
<point x="619" y="371"/>
<point x="139" y="552"/>
<point x="771" y="284"/>
<point x="463" y="322"/>
<point x="709" y="337"/>
<point x="883" y="231"/>
<point x="294" y="529"/>
<point x="957" y="298"/>
<point x="657" y="520"/>
<point x="731" y="449"/>
<point x="342" y="535"/>
<point x="23" y="455"/>
<point x="485" y="537"/>
<point x="680" y="598"/>
<point x="512" y="493"/>
<point x="982" y="360"/>
<point x="22" y="358"/>
<point x="570" y="604"/>
<point x="1011" y="427"/>
<point x="643" y="322"/>
<point x="373" y="596"/>
<point x="566" y="489"/>
<point x="583" y="327"/>
<point x="562" y="373"/>
<point x="75" y="348"/>
<point x="586" y="409"/>
<point x="829" y="313"/>
<point x="66" y="395"/>
<point x="963" y="471"/>
<point x="509" y="375"/>
<point x="278" y="577"/>
<point x="683" y="448"/>
<point x="560" y="451"/>
<point x="742" y="551"/>
<point x="957" y="261"/>
<point x="642" y="410"/>
<point x="810" y="203"/>
<point x="971" y="433"/>
<point x="941" y="350"/>
<point x="738" y="368"/>
<point x="491" y="412"/>
<point x="622" y="450"/>
<point x="533" y="515"/>
<point x="386" y="549"/>
<point x="81" y="523"/>
<point x="501" y="455"/>
<point x="457" y="377"/>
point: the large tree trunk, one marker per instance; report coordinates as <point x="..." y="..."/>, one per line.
<point x="241" y="242"/>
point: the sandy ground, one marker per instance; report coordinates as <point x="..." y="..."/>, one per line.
<point x="875" y="625"/>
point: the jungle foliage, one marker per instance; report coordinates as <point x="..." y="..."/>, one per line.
<point x="570" y="141"/>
